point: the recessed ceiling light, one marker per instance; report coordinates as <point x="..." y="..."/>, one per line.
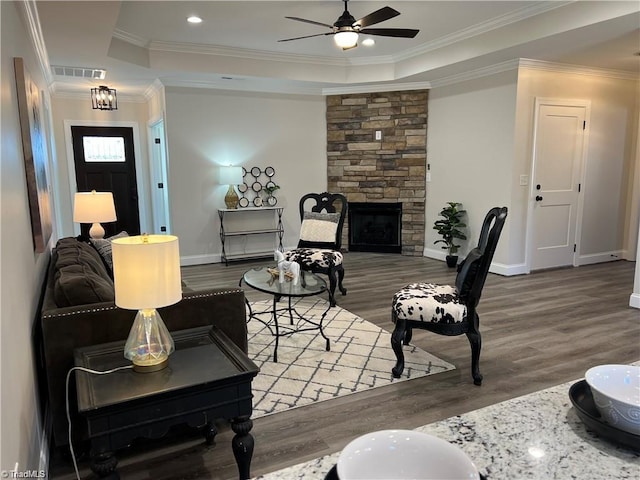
<point x="368" y="42"/>
<point x="194" y="19"/>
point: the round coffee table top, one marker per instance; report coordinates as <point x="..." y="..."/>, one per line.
<point x="261" y="279"/>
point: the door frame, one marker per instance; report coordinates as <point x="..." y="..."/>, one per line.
<point x="561" y="102"/>
<point x="158" y="171"/>
<point x="141" y="172"/>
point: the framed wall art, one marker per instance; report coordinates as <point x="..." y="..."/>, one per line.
<point x="35" y="155"/>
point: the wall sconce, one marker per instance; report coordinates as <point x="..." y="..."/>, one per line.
<point x="94" y="207"/>
<point x="104" y="98"/>
<point x="146" y="276"/>
<point x="231" y="176"/>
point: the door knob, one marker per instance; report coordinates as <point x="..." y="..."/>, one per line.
<point x="538" y="198"/>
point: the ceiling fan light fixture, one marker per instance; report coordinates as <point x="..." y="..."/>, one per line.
<point x="347" y="39"/>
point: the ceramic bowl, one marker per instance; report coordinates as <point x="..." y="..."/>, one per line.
<point x="402" y="455"/>
<point x="616" y="393"/>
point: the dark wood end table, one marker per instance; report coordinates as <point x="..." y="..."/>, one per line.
<point x="208" y="378"/>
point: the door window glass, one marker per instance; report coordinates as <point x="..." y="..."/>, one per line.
<point x="103" y="149"/>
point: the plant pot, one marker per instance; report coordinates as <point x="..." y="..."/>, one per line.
<point x="452" y="260"/>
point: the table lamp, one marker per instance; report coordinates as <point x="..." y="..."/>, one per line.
<point x="94" y="207"/>
<point x="146" y="276"/>
<point x="231" y="176"/>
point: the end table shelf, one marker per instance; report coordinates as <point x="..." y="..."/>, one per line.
<point x="276" y="228"/>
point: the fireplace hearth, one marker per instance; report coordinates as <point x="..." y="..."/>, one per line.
<point x="375" y="227"/>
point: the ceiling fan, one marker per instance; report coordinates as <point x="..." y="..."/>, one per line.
<point x="347" y="28"/>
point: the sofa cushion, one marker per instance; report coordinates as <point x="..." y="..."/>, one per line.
<point x="80" y="285"/>
<point x="80" y="276"/>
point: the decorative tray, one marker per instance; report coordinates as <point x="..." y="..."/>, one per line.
<point x="582" y="399"/>
<point x="333" y="474"/>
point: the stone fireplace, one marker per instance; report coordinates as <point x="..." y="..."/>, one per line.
<point x="376" y="153"/>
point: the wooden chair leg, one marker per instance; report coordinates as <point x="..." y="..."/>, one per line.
<point x="332" y="274"/>
<point x="407" y="335"/>
<point x="475" y="339"/>
<point x="340" y="278"/>
<point x="397" y="337"/>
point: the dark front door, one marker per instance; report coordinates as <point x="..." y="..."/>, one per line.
<point x="105" y="162"/>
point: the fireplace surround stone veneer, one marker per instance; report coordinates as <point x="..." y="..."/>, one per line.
<point x="392" y="169"/>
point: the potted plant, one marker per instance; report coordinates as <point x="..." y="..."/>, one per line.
<point x="450" y="230"/>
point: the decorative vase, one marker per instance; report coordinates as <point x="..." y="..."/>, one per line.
<point x="452" y="261"/>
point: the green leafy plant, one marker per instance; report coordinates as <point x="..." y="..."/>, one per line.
<point x="271" y="188"/>
<point x="450" y="227"/>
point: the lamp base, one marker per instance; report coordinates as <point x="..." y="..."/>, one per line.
<point x="149" y="343"/>
<point x="231" y="198"/>
<point x="151" y="368"/>
<point x="96" y="231"/>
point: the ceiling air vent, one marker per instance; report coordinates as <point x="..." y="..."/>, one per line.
<point x="79" y="72"/>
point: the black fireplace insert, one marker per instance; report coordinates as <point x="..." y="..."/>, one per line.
<point x="375" y="227"/>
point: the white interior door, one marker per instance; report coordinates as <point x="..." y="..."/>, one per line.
<point x="159" y="191"/>
<point x="557" y="163"/>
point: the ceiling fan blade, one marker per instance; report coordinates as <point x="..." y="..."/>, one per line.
<point x="378" y="16"/>
<point x="391" y="32"/>
<point x="307" y="36"/>
<point x="310" y="21"/>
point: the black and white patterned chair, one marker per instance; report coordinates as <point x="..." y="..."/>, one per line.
<point x="318" y="251"/>
<point x="449" y="309"/>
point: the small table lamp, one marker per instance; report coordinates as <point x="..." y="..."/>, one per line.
<point x="94" y="207"/>
<point x="231" y="176"/>
<point x="146" y="276"/>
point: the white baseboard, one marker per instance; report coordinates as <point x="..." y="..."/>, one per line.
<point x="601" y="257"/>
<point x="634" y="300"/>
<point x="497" y="268"/>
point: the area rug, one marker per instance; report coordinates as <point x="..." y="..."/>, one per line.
<point x="360" y="358"/>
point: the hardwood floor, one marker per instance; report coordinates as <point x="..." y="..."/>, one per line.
<point x="538" y="330"/>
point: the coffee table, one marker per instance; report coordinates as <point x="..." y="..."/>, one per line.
<point x="309" y="285"/>
<point x="208" y="378"/>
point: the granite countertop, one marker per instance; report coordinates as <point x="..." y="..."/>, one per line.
<point x="536" y="436"/>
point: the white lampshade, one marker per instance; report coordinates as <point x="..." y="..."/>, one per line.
<point x="230" y="175"/>
<point x="146" y="271"/>
<point x="91" y="207"/>
<point x="346" y="39"/>
<point x="146" y="276"/>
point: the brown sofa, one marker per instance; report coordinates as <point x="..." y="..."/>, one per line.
<point x="78" y="311"/>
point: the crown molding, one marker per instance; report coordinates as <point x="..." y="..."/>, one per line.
<point x="30" y="12"/>
<point x="576" y="69"/>
<point x="477" y="73"/>
<point x="130" y="38"/>
<point x="155" y="87"/>
<point x="481" y="28"/>
<point x="245" y="87"/>
<point x="373" y="88"/>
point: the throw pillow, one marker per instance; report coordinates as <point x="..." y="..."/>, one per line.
<point x="319" y="227"/>
<point x="80" y="285"/>
<point x="103" y="246"/>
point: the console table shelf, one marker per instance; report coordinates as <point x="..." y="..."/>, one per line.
<point x="276" y="228"/>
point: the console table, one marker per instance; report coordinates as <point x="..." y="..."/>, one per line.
<point x="276" y="228"/>
<point x="208" y="378"/>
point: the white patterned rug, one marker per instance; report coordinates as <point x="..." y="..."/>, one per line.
<point x="360" y="358"/>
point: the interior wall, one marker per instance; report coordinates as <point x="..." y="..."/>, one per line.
<point x="209" y="128"/>
<point x="470" y="142"/>
<point x="612" y="132"/>
<point x="79" y="112"/>
<point x="22" y="270"/>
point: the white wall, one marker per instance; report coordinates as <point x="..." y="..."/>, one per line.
<point x="209" y="128"/>
<point x="610" y="152"/>
<point x="22" y="271"/>
<point x="470" y="137"/>
<point x="79" y="112"/>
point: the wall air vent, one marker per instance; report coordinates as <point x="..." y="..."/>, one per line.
<point x="79" y="72"/>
